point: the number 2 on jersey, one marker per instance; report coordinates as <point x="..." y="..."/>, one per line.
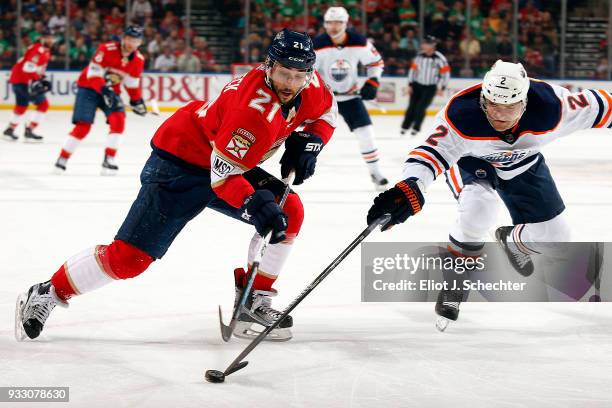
<point x="441" y="132"/>
<point x="265" y="98"/>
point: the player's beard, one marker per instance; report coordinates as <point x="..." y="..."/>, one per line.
<point x="285" y="95"/>
<point x="125" y="50"/>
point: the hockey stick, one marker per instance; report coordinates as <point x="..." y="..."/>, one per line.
<point x="227" y="330"/>
<point x="238" y="364"/>
<point x="154" y="107"/>
<point x="377" y="105"/>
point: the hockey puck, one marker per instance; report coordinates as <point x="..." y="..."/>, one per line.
<point x="214" y="376"/>
<point x="595" y="298"/>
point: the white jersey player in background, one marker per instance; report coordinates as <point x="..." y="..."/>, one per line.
<point x="487" y="139"/>
<point x="339" y="52"/>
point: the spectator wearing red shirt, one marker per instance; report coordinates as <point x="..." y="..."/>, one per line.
<point x="115" y="17"/>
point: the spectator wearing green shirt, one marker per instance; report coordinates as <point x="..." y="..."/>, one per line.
<point x="79" y="53"/>
<point x="457" y="14"/>
<point x="6" y="52"/>
<point x="35" y="34"/>
<point x="407" y="14"/>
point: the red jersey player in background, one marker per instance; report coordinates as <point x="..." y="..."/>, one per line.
<point x="206" y="156"/>
<point x="113" y="64"/>
<point x="30" y="85"/>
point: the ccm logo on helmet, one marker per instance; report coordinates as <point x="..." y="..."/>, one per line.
<point x="296" y="59"/>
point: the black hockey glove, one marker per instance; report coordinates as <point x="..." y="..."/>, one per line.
<point x="261" y="210"/>
<point x="401" y="201"/>
<point x="111" y="99"/>
<point x="139" y="107"/>
<point x="301" y="151"/>
<point x="40" y="86"/>
<point x="369" y="89"/>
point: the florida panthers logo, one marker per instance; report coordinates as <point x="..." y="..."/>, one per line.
<point x="340" y="69"/>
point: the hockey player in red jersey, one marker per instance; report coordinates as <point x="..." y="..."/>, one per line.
<point x="99" y="86"/>
<point x="30" y="85"/>
<point x="206" y="156"/>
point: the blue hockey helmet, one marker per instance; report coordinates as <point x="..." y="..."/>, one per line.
<point x="292" y="49"/>
<point x="134" y="31"/>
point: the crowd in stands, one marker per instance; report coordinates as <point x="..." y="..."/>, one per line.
<point x="93" y="22"/>
<point x="393" y="26"/>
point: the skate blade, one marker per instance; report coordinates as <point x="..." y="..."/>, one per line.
<point x="32" y="141"/>
<point x="58" y="171"/>
<point x="8" y="138"/>
<point x="244" y="330"/>
<point x="108" y="172"/>
<point x="442" y="323"/>
<point x="380" y="187"/>
<point x="20" y="334"/>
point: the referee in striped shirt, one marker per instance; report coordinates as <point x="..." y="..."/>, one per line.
<point x="428" y="76"/>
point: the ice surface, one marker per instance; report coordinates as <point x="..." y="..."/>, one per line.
<point x="148" y="341"/>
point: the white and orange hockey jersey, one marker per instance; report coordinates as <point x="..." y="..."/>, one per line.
<point x="462" y="129"/>
<point x="338" y="64"/>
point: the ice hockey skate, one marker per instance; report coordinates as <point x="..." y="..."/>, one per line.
<point x="380" y="182"/>
<point x="447" y="308"/>
<point x="60" y="165"/>
<point x="33" y="308"/>
<point x="30" y="137"/>
<point x="520" y="261"/>
<point x="9" y="134"/>
<point x="109" y="166"/>
<point x="259" y="312"/>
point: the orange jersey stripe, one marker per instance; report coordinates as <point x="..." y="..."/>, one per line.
<point x="454" y="179"/>
<point x="445" y="69"/>
<point x="428" y="157"/>
<point x="607" y="116"/>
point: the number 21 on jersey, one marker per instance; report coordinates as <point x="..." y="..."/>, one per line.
<point x="260" y="102"/>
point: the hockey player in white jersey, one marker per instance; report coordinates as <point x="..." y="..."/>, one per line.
<point x="339" y="52"/>
<point x="487" y="139"/>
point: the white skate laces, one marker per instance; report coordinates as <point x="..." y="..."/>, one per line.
<point x="262" y="303"/>
<point x="520" y="258"/>
<point x="33" y="309"/>
<point x="261" y="314"/>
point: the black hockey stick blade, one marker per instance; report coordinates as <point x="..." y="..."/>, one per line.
<point x="226" y="331"/>
<point x="238" y="364"/>
<point x="233" y="369"/>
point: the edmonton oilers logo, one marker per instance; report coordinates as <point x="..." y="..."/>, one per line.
<point x="340" y="70"/>
<point x="481" y="173"/>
